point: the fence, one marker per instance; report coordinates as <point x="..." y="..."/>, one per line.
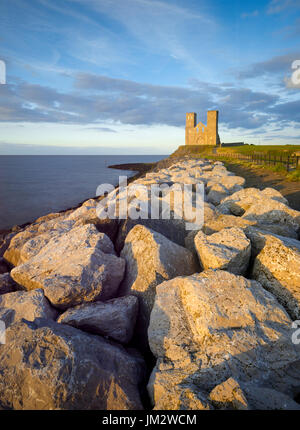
<point x="289" y="162"/>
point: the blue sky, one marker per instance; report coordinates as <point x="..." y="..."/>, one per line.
<point x="118" y="76"/>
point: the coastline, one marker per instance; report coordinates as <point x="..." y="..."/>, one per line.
<point x="110" y="287"/>
<point x="139" y="168"/>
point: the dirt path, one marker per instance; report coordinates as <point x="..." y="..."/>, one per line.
<point x="263" y="178"/>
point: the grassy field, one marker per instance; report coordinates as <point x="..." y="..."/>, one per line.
<point x="278" y="150"/>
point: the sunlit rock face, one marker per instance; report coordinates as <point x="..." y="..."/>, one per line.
<point x="277" y="268"/>
<point x="228" y="249"/>
<point x="209" y="327"/>
<point x="28" y="305"/>
<point x="115" y="318"/>
<point x="79" y="266"/>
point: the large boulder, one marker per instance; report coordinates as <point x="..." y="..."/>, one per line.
<point x="30" y="241"/>
<point x="218" y="223"/>
<point x="231" y="183"/>
<point x="239" y="202"/>
<point x="115" y="318"/>
<point x="46" y="365"/>
<point x="77" y="267"/>
<point x="217" y="193"/>
<point x="277" y="268"/>
<point x="229" y="249"/>
<point x="215" y="325"/>
<point x="151" y="259"/>
<point x="39" y="234"/>
<point x="28" y="304"/>
<point x="173" y="229"/>
<point x="269" y="211"/>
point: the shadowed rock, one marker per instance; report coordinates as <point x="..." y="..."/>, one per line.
<point x="115" y="318"/>
<point x="46" y="365"/>
<point x="150" y="259"/>
<point x="7" y="284"/>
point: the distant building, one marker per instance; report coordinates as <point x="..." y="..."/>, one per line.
<point x="199" y="134"/>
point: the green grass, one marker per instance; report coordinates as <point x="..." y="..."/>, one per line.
<point x="294" y="176"/>
<point x="277" y="150"/>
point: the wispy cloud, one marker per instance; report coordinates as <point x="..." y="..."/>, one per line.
<point x="160" y="27"/>
<point x="278" y="6"/>
<point x="97" y="98"/>
<point x="276" y="65"/>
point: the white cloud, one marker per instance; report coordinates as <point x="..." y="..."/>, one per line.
<point x="278" y="6"/>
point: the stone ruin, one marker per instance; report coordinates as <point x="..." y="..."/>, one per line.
<point x="199" y="134"/>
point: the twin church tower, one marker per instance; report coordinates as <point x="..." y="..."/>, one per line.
<point x="199" y="134"/>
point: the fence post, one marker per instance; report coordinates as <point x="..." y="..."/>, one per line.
<point x="288" y="164"/>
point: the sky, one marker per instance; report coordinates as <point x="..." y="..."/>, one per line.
<point x="118" y="76"/>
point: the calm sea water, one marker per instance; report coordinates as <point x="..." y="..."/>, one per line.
<point x="33" y="186"/>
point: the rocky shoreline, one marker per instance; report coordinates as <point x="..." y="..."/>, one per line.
<point x="144" y="314"/>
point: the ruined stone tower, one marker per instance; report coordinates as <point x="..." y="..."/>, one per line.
<point x="199" y="134"/>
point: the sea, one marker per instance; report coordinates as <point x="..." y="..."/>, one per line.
<point x="33" y="185"/>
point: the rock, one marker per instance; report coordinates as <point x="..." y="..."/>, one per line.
<point x="269" y="211"/>
<point x="276" y="267"/>
<point x="232" y="184"/>
<point x="28" y="304"/>
<point x="209" y="327"/>
<point x="228" y="249"/>
<point x="5" y="242"/>
<point x="115" y="318"/>
<point x="182" y="399"/>
<point x="48" y="217"/>
<point x="74" y="268"/>
<point x="7" y="284"/>
<point x="39" y="234"/>
<point x="151" y="259"/>
<point x="6" y="317"/>
<point x="46" y="365"/>
<point x="173" y="229"/>
<point x="273" y="194"/>
<point x="36" y="244"/>
<point x="218" y="223"/>
<point x="262" y="398"/>
<point x="216" y="194"/>
<point x="239" y="202"/>
<point x="229" y="395"/>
